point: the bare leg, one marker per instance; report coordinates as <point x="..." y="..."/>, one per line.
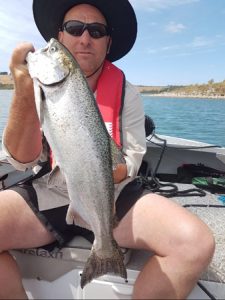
<point x="19" y="228"/>
<point x="183" y="247"/>
<point x="10" y="278"/>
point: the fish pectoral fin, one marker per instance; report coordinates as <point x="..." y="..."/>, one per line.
<point x="39" y="100"/>
<point x="72" y="217"/>
<point x="56" y="177"/>
<point x="115" y="221"/>
<point x="42" y="94"/>
<point x="117" y="154"/>
<point x="69" y="217"/>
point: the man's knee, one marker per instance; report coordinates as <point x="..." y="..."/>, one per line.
<point x="199" y="245"/>
<point x="205" y="249"/>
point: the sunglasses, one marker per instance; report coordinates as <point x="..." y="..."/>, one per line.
<point x="76" y="28"/>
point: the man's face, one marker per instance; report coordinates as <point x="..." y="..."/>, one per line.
<point x="88" y="52"/>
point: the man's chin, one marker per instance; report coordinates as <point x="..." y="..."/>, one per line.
<point x="83" y="61"/>
<point x="86" y="67"/>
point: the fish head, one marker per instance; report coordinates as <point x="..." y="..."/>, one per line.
<point x="50" y="68"/>
<point x="52" y="64"/>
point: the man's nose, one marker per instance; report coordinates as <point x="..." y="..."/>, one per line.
<point x="85" y="38"/>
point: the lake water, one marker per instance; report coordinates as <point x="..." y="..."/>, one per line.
<point x="5" y="99"/>
<point x="196" y="119"/>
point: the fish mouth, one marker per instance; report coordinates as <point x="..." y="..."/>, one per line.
<point x="53" y="84"/>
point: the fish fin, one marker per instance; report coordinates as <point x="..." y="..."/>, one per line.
<point x="74" y="218"/>
<point x="97" y="266"/>
<point x="56" y="177"/>
<point x="39" y="100"/>
<point x="117" y="154"/>
<point x="115" y="221"/>
<point x="69" y="216"/>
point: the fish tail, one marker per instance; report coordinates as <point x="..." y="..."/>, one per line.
<point x="97" y="266"/>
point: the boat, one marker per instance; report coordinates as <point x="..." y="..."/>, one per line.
<point x="164" y="169"/>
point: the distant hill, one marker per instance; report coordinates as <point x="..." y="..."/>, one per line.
<point x="210" y="89"/>
<point x="150" y="89"/>
<point x="6" y="82"/>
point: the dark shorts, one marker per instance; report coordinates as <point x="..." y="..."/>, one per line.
<point x="54" y="219"/>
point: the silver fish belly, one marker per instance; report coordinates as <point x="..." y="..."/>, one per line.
<point x="81" y="146"/>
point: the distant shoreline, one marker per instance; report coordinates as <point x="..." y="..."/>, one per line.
<point x="3" y="88"/>
<point x="171" y="95"/>
<point x="162" y="95"/>
<point x="6" y="83"/>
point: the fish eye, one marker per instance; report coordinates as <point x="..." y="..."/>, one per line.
<point x="52" y="49"/>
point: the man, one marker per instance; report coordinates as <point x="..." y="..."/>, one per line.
<point x="33" y="215"/>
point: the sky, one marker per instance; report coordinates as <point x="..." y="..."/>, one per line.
<point x="179" y="42"/>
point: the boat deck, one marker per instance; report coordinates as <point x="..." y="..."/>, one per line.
<point x="209" y="208"/>
<point x="212" y="212"/>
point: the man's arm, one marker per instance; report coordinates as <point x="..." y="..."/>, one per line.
<point x="133" y="129"/>
<point x="120" y="173"/>
<point x="134" y="141"/>
<point x="22" y="135"/>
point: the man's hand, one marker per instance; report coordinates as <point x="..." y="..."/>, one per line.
<point x="120" y="173"/>
<point x="22" y="135"/>
<point x="18" y="67"/>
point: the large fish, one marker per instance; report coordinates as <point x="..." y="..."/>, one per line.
<point x="82" y="148"/>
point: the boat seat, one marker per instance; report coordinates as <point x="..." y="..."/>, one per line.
<point x="38" y="263"/>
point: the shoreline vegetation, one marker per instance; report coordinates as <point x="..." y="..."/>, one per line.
<point x="211" y="90"/>
<point x="6" y="82"/>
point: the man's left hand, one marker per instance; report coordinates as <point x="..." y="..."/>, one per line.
<point x="120" y="173"/>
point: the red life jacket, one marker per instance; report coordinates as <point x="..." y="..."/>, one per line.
<point x="110" y="93"/>
<point x="110" y="99"/>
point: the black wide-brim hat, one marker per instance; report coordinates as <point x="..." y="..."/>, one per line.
<point x="119" y="14"/>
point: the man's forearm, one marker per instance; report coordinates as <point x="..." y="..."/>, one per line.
<point x="22" y="136"/>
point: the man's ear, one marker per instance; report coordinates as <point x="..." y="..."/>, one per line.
<point x="60" y="36"/>
<point x="109" y="45"/>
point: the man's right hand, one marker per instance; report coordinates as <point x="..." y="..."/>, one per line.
<point x="22" y="135"/>
<point x="18" y="67"/>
